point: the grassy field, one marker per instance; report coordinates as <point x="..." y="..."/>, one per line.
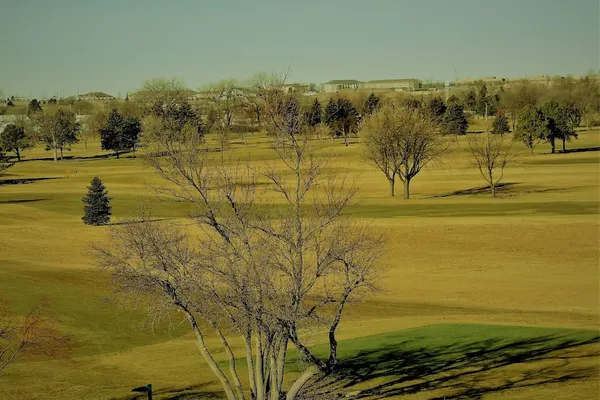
<point x="483" y="297"/>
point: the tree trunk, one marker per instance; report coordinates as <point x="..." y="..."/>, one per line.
<point x="406" y="189"/>
<point x="55" y="154"/>
<point x="208" y="356"/>
<point x="493" y="190"/>
<point x="61" y="154"/>
<point x="346" y="138"/>
<point x="18" y="154"/>
<point x="250" y="362"/>
<point x="553" y="144"/>
<point x="232" y="364"/>
<point x="564" y="144"/>
<point x="300" y="382"/>
<point x="332" y="362"/>
<point x="305" y="351"/>
<point x="117" y="153"/>
<point x="392" y="187"/>
<point x="258" y="369"/>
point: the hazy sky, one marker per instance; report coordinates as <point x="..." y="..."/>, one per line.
<point x="50" y="47"/>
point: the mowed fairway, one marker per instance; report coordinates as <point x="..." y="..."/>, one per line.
<point x="471" y="281"/>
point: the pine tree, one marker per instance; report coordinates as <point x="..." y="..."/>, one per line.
<point x="34" y="107"/>
<point x="97" y="209"/>
<point x="371" y="104"/>
<point x="454" y="121"/>
<point x="500" y="124"/>
<point x="330" y="113"/>
<point x="316" y="113"/>
<point x="437" y="109"/>
<point x="482" y="100"/>
<point x="471" y="101"/>
<point x="120" y="133"/>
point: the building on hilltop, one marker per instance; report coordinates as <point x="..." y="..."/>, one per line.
<point x="342" y="84"/>
<point x="381" y="84"/>
<point x="394" y="84"/>
<point x="95" y="96"/>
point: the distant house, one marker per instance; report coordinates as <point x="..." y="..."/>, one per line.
<point x="383" y="84"/>
<point x="341" y="84"/>
<point x="95" y="96"/>
<point x="394" y="84"/>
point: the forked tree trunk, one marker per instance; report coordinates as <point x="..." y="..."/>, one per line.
<point x="300" y="382"/>
<point x="332" y="362"/>
<point x="406" y="188"/>
<point x="208" y="356"/>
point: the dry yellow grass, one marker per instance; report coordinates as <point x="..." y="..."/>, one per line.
<point x="527" y="258"/>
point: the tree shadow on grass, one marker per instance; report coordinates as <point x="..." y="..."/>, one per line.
<point x="124" y="155"/>
<point x="579" y="150"/>
<point x="508" y="189"/>
<point x="500" y="188"/>
<point x="23" y="181"/>
<point x="460" y="370"/>
<point x="180" y="393"/>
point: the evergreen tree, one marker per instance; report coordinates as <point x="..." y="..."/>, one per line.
<point x="500" y="124"/>
<point x="454" y="121"/>
<point x="482" y="101"/>
<point x="453" y="100"/>
<point x="347" y="118"/>
<point x="316" y="113"/>
<point x="371" y="104"/>
<point x="97" y="209"/>
<point x="34" y="107"/>
<point x="471" y="101"/>
<point x="331" y="113"/>
<point x="120" y="133"/>
<point x="437" y="109"/>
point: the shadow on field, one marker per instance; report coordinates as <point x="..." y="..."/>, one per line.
<point x="21" y="201"/>
<point x="579" y="150"/>
<point x="94" y="157"/>
<point x="500" y="188"/>
<point x="184" y="393"/>
<point x="461" y="370"/>
<point x="23" y="181"/>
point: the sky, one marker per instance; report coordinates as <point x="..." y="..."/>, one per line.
<point x="63" y="47"/>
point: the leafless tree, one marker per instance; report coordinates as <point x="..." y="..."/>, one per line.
<point x="34" y="334"/>
<point x="491" y="154"/>
<point x="400" y="142"/>
<point x="262" y="273"/>
<point x="227" y="96"/>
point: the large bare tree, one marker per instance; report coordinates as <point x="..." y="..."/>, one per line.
<point x="491" y="154"/>
<point x="400" y="142"/>
<point x="263" y="269"/>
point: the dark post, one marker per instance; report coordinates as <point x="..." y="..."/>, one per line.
<point x="144" y="389"/>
